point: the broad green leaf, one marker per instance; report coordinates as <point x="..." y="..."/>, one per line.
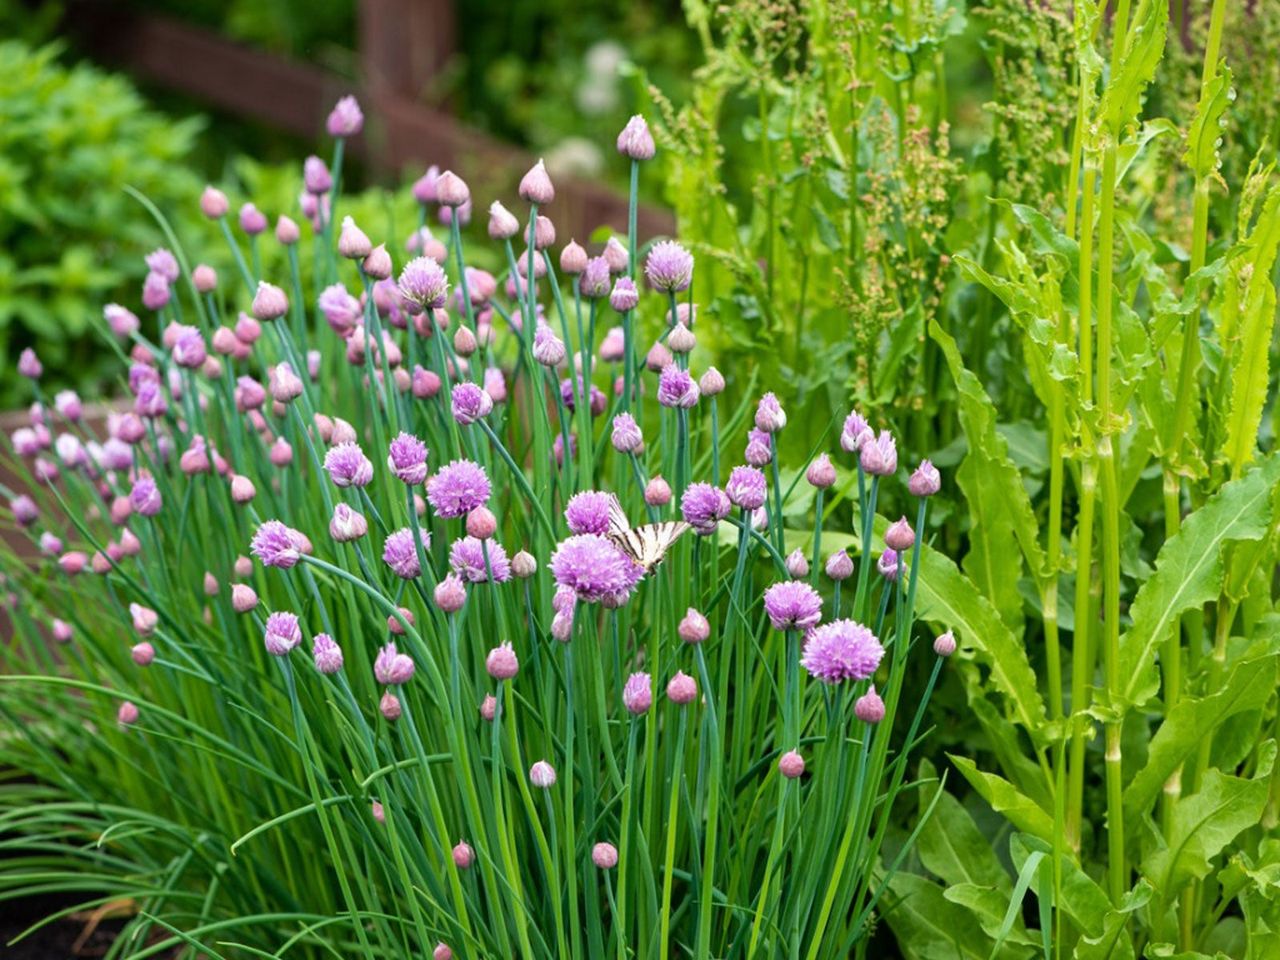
<point x="1190" y="720"/>
<point x="1079" y="897"/>
<point x="1189" y="571"/>
<point x="1202" y="826"/>
<point x="990" y="452"/>
<point x="1257" y="321"/>
<point x="1005" y="799"/>
<point x="947" y="597"/>
<point x="1112" y="942"/>
<point x="953" y="848"/>
<point x="991" y="908"/>
<point x="929" y="927"/>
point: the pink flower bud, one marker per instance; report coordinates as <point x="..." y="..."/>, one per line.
<point x="797" y="565"/>
<point x="389" y="706"/>
<point x="821" y="473"/>
<point x="144" y="618"/>
<point x="463" y="855"/>
<point x="840" y="565"/>
<point x="127" y="714"/>
<point x="900" y="536"/>
<point x="536" y="186"/>
<point x="503" y="224"/>
<point x="142" y="653"/>
<point x="242" y="489"/>
<point x="945" y="644"/>
<point x="869" y="708"/>
<point x="681" y="339"/>
<point x="791" y="764"/>
<point x="442" y="952"/>
<point x="394" y="624"/>
<point x="270" y="302"/>
<point x="712" y="382"/>
<point x="523" y="565"/>
<point x="205" y="278"/>
<point x="353" y="243"/>
<point x="452" y="190"/>
<point x="604" y="856"/>
<point x="213" y="203"/>
<point x="542" y="775"/>
<point x="573" y="259"/>
<point x="635" y="141"/>
<point x="481" y="523"/>
<point x="378" y="812"/>
<point x="243" y="598"/>
<point x="450" y="594"/>
<point x="682" y="689"/>
<point x="694" y="628"/>
<point x="925" y="481"/>
<point x="502" y="663"/>
<point x="287" y="231"/>
<point x="378" y="263"/>
<point x="488" y="707"/>
<point x="281" y="453"/>
<point x="657" y="493"/>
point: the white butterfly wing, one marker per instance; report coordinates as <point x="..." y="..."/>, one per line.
<point x="648" y="544"/>
<point x="619" y="525"/>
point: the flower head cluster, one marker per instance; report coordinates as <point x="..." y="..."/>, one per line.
<point x="703" y="506"/>
<point x="282" y="634"/>
<point x="470" y="403"/>
<point x="473" y="560"/>
<point x="594" y="568"/>
<point x="841" y="650"/>
<point x="400" y="552"/>
<point x="746" y="488"/>
<point x="588" y="512"/>
<point x="677" y="388"/>
<point x="407" y="459"/>
<point x="458" y="488"/>
<point x="792" y="605"/>
<point x="669" y="267"/>
<point x="277" y="545"/>
<point x="347" y="465"/>
<point x="391" y="667"/>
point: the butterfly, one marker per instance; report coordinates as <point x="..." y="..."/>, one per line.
<point x="646" y="545"/>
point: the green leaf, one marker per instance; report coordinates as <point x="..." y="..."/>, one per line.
<point x="1003" y="797"/>
<point x="1202" y="826"/>
<point x="1249" y="376"/>
<point x="1144" y="46"/>
<point x="947" y="597"/>
<point x="1206" y="127"/>
<point x="953" y="848"/>
<point x="1188" y="574"/>
<point x="929" y="927"/>
<point x="1190" y="720"/>
<point x="988" y="449"/>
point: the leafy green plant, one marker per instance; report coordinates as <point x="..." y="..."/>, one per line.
<point x="70" y="238"/>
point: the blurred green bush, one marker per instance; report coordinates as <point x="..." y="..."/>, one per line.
<point x="70" y="237"/>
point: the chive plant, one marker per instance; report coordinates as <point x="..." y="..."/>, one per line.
<point x="389" y="615"/>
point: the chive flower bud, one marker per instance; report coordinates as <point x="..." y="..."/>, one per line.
<point x="900" y="536"/>
<point x="502" y="663"/>
<point x="282" y="634"/>
<point x="869" y="708"/>
<point x="452" y="190"/>
<point x="604" y="856"/>
<point x="523" y="565"/>
<point x="879" y="454"/>
<point x="391" y="667"/>
<point x="711" y="383"/>
<point x="463" y="855"/>
<point x="682" y="689"/>
<point x="840" y="565"/>
<point x="925" y="481"/>
<point x="345" y="119"/>
<point x="542" y="775"/>
<point x="945" y="644"/>
<point x="503" y="224"/>
<point x="637" y="693"/>
<point x="615" y="254"/>
<point x="450" y="593"/>
<point x="797" y="564"/>
<point x="791" y="765"/>
<point x="694" y="627"/>
<point x="213" y="203"/>
<point x="269" y="302"/>
<point x="625" y="296"/>
<point x="243" y="598"/>
<point x="573" y="259"/>
<point x="635" y="141"/>
<point x="326" y="654"/>
<point x="536" y="186"/>
<point x="821" y="473"/>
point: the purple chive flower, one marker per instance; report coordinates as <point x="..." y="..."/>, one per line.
<point x="342" y="311"/>
<point x="746" y="488"/>
<point x="887" y="565"/>
<point x="408" y="459"/>
<point x="635" y="141"/>
<point x="283" y="634"/>
<point x="29" y="364"/>
<point x="821" y="473"/>
<point x="347" y="465"/>
<point x="188" y="348"/>
<point x="25" y="511"/>
<point x="391" y="667"/>
<point x="401" y="555"/>
<point x="502" y="662"/>
<point x="770" y="417"/>
<point x="637" y="693"/>
<point x="627" y="437"/>
<point x="878" y="455"/>
<point x="595" y="281"/>
<point x="276" y="545"/>
<point x="759" y="448"/>
<point x="326" y="654"/>
<point x="792" y="605"/>
<point x="869" y="708"/>
<point x="624" y="296"/>
<point x="315" y="175"/>
<point x="423" y="284"/>
<point x="548" y="349"/>
<point x="270" y="302"/>
<point x="840" y="565"/>
<point x="346" y="524"/>
<point x="569" y="391"/>
<point x="851" y="433"/>
<point x="588" y="512"/>
<point x="458" y="488"/>
<point x="925" y="481"/>
<point x="121" y="321"/>
<point x="841" y="650"/>
<point x="345" y="119"/>
<point x="594" y="567"/>
<point x="677" y="388"/>
<point x="155" y="291"/>
<point x="703" y="507"/>
<point x="163" y="262"/>
<point x="669" y="266"/>
<point x="467" y="559"/>
<point x="145" y="496"/>
<point x="470" y="403"/>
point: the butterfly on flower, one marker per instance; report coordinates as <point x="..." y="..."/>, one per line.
<point x="647" y="544"/>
